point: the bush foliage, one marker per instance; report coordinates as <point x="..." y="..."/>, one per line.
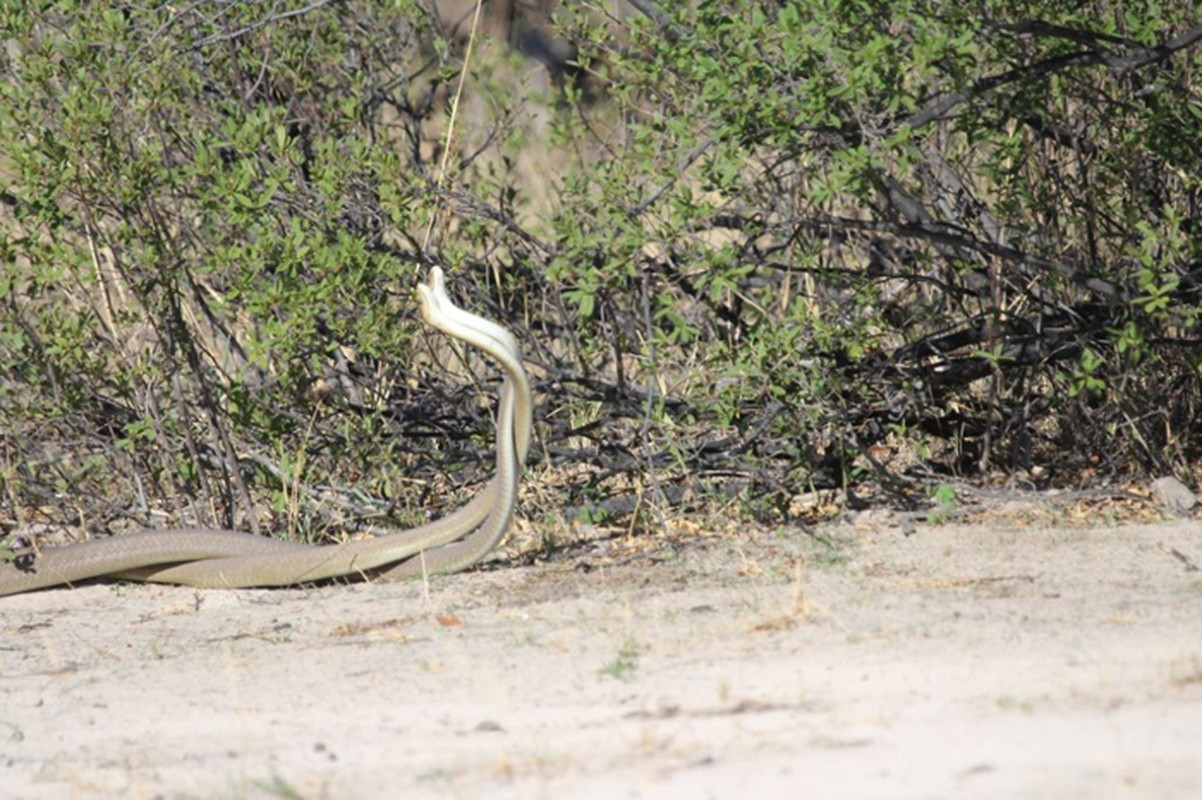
<point x="773" y="245"/>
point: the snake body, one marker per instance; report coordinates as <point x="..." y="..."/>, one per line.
<point x="227" y="559"/>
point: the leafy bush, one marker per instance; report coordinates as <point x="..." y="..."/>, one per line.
<point x="778" y="245"/>
<point x="970" y="232"/>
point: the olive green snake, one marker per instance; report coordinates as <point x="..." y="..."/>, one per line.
<point x="227" y="559"/>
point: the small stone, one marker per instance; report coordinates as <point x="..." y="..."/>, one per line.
<point x="1174" y="495"/>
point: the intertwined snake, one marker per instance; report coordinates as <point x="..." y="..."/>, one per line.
<point x="227" y="559"/>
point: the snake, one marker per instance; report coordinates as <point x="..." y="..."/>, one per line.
<point x="218" y="558"/>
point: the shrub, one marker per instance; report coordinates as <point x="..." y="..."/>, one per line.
<point x="777" y="245"/>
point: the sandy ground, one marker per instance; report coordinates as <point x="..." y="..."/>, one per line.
<point x="980" y="661"/>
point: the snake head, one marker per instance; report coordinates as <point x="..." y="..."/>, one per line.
<point x="432" y="294"/>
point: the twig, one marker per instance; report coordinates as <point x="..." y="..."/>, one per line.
<point x="254" y="26"/>
<point x="1190" y="564"/>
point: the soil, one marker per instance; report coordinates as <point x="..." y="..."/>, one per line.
<point x="997" y="660"/>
